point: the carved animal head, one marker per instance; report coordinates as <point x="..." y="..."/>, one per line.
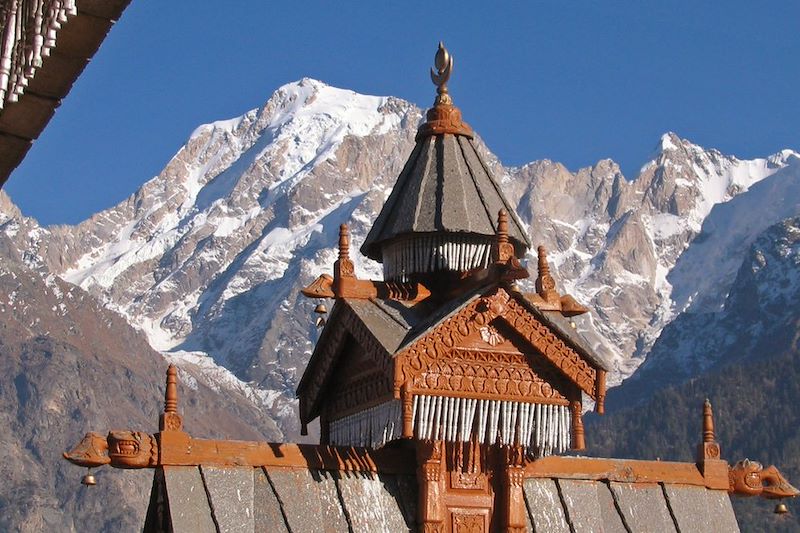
<point x="132" y="449"/>
<point x="750" y="478"/>
<point x="91" y="451"/>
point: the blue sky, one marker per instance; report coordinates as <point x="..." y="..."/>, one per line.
<point x="570" y="81"/>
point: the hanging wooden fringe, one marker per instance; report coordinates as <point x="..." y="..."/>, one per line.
<point x="28" y="29"/>
<point x="542" y="428"/>
<point x="432" y="253"/>
<point x="371" y="428"/>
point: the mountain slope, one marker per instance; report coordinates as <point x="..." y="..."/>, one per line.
<point x="208" y="257"/>
<point x="759" y="319"/>
<point x="70" y="365"/>
<point x="748" y="364"/>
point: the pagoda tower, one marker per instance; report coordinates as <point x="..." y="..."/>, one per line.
<point x="448" y="348"/>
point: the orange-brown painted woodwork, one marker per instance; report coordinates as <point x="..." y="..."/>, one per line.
<point x="485" y="374"/>
<point x="443" y="119"/>
<point x="600" y="387"/>
<point x="456" y="487"/>
<point x="708" y="422"/>
<point x="709" y="453"/>
<point x="430" y="482"/>
<point x="578" y="436"/>
<point x="626" y="471"/>
<point x="750" y="478"/>
<point x="408" y="412"/>
<point x="180" y="449"/>
<point x="513" y="507"/>
<point x="477" y="325"/>
<point x="170" y="420"/>
<point x="545" y="284"/>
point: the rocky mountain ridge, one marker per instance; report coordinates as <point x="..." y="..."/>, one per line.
<point x="745" y="358"/>
<point x="70" y="365"/>
<point x="207" y="258"/>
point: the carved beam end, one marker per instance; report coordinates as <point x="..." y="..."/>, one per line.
<point x="750" y="478"/>
<point x="120" y="449"/>
<point x="322" y="287"/>
<point x="91" y="451"/>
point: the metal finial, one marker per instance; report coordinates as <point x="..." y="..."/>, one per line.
<point x="444" y="67"/>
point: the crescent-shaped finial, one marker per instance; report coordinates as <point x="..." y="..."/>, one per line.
<point x="443" y="62"/>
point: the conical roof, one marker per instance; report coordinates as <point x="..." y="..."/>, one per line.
<point x="445" y="186"/>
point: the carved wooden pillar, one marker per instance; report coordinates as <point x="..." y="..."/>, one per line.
<point x="578" y="439"/>
<point x="431" y="508"/>
<point x="600" y="390"/>
<point x="408" y="412"/>
<point x="513" y="507"/>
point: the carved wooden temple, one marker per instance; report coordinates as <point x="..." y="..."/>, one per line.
<point x="446" y="394"/>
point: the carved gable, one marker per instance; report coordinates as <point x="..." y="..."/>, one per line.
<point x="495" y="346"/>
<point x="346" y="340"/>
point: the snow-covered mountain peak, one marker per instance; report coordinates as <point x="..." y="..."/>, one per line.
<point x="669" y="141"/>
<point x="209" y="256"/>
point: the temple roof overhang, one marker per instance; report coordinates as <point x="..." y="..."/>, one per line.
<point x="445" y="187"/>
<point x="220" y="485"/>
<point x="398" y="336"/>
<point x="209" y="485"/>
<point x="45" y="76"/>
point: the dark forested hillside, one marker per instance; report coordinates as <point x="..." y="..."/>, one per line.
<point x="754" y="385"/>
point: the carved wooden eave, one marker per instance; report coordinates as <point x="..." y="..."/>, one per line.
<point x="478" y="320"/>
<point x="491" y="343"/>
<point x="345" y="324"/>
<point x="458" y="484"/>
<point x="50" y="58"/>
<point x="173" y="446"/>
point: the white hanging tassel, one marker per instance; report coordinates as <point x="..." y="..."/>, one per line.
<point x="372" y="427"/>
<point x="483" y="408"/>
<point x="523" y="424"/>
<point x="543" y="429"/>
<point x="494" y="415"/>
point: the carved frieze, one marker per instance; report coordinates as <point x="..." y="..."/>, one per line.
<point x="486" y="373"/>
<point x="468" y="523"/>
<point x="428" y="356"/>
<point x="354" y="395"/>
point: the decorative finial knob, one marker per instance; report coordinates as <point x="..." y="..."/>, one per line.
<point x="170" y="420"/>
<point x="344" y="242"/>
<point x="444" y="67"/>
<point x="545" y="284"/>
<point x="708" y="422"/>
<point x="502" y="226"/>
<point x="171" y="394"/>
